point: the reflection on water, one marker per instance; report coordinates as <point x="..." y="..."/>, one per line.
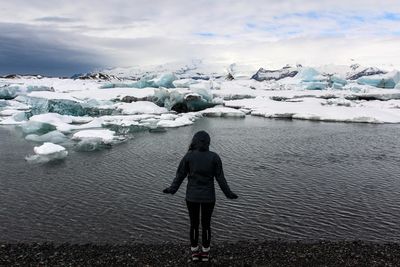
<point x="295" y="180"/>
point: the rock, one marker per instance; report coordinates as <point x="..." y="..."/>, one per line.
<point x="365" y="72"/>
<point x="267" y="75"/>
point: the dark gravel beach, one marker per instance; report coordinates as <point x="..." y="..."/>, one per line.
<point x="269" y="253"/>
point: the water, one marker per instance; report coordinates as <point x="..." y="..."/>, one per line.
<point x="295" y="180"/>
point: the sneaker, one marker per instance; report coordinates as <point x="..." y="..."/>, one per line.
<point x="195" y="253"/>
<point x="205" y="254"/>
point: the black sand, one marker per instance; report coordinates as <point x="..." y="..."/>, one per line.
<point x="268" y="253"/>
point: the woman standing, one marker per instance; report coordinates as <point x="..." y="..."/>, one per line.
<point x="201" y="166"/>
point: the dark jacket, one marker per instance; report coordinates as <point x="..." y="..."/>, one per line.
<point x="200" y="166"/>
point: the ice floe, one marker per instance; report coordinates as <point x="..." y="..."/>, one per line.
<point x="47" y="152"/>
<point x="106" y="136"/>
<point x="222" y="112"/>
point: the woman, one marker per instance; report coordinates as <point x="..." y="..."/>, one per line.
<point x="201" y="166"/>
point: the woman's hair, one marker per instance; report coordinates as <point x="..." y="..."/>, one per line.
<point x="200" y="141"/>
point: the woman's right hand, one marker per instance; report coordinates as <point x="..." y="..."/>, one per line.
<point x="168" y="190"/>
<point x="232" y="195"/>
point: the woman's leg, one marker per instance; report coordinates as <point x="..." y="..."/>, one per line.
<point x="194" y="215"/>
<point x="206" y="213"/>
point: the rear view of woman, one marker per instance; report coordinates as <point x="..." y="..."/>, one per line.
<point x="201" y="166"/>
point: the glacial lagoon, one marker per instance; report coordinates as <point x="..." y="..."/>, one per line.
<point x="295" y="180"/>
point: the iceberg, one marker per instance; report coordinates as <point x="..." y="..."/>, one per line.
<point x="163" y="80"/>
<point x="36" y="127"/>
<point x="222" y="112"/>
<point x="184" y="83"/>
<point x="55" y="137"/>
<point x="184" y="100"/>
<point x="15" y="119"/>
<point x="106" y="136"/>
<point x="308" y="75"/>
<point x="388" y="80"/>
<point x="65" y="123"/>
<point x="178" y="122"/>
<point x="140" y="107"/>
<point x="10" y="112"/>
<point x="49" y="148"/>
<point x="8" y="92"/>
<point x="47" y="152"/>
<point x="91" y="144"/>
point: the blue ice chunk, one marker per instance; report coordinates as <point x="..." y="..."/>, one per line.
<point x="388" y="80"/>
<point x="20" y="116"/>
<point x="34" y="127"/>
<point x="338" y="81"/>
<point x="62" y="106"/>
<point x="164" y="80"/>
<point x="55" y="137"/>
<point x="307" y="74"/>
<point x="315" y="85"/>
<point x="8" y="92"/>
<point x="91" y="144"/>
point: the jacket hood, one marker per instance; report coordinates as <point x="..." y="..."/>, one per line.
<point x="200" y="141"/>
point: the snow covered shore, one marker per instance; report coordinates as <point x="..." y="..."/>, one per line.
<point x="128" y="100"/>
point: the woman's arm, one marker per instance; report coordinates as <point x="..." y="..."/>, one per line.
<point x="220" y="177"/>
<point x="181" y="173"/>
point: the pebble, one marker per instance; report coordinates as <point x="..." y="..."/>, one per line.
<point x="269" y="253"/>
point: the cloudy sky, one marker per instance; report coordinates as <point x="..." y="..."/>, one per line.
<point x="63" y="37"/>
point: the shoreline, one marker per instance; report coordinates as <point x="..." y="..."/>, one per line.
<point x="244" y="253"/>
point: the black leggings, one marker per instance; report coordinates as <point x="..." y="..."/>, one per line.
<point x="194" y="214"/>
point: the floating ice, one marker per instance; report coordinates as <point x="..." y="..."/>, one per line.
<point x="222" y="112"/>
<point x="318" y="110"/>
<point x="91" y="144"/>
<point x="47" y="152"/>
<point x="140" y="107"/>
<point x="48" y="148"/>
<point x="184" y="100"/>
<point x="36" y="127"/>
<point x="181" y="121"/>
<point x="106" y="136"/>
<point x="15" y="119"/>
<point x="388" y="80"/>
<point x="55" y="137"/>
<point x="184" y="83"/>
<point x="8" y="92"/>
<point x="308" y="75"/>
<point x="64" y="124"/>
<point x="10" y="112"/>
<point x="163" y="80"/>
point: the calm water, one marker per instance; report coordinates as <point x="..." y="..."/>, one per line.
<point x="295" y="180"/>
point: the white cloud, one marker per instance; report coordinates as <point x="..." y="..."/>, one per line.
<point x="260" y="32"/>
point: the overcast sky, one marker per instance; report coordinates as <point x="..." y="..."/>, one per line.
<point x="67" y="37"/>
